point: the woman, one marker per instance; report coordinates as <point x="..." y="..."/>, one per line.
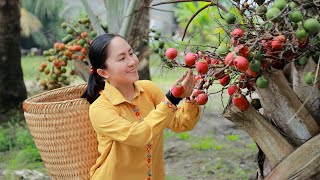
<point x="129" y="115"/>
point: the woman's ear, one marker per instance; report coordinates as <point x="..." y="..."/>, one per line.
<point x="103" y="73"/>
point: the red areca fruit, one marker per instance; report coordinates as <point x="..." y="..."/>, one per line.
<point x="232" y="89"/>
<point x="202" y="67"/>
<point x="190" y="59"/>
<point x="171" y="53"/>
<point x="224" y="80"/>
<point x="240" y="102"/>
<point x="177" y="90"/>
<point x="241" y="63"/>
<point x="202" y="99"/>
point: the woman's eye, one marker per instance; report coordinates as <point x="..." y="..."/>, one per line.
<point x="131" y="53"/>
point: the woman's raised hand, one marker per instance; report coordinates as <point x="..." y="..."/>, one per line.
<point x="184" y="86"/>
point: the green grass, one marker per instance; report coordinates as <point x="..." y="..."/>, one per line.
<point x="17" y="148"/>
<point x="204" y="143"/>
<point x="183" y="135"/>
<point x="233" y="137"/>
<point x="173" y="177"/>
<point x="30" y="66"/>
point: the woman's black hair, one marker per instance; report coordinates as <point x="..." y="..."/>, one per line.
<point x="98" y="53"/>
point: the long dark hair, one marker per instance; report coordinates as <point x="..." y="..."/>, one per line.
<point x="98" y="54"/>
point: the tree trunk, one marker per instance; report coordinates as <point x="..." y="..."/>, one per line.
<point x="303" y="163"/>
<point x="308" y="94"/>
<point x="12" y="88"/>
<point x="271" y="142"/>
<point x="281" y="105"/>
<point x="140" y="30"/>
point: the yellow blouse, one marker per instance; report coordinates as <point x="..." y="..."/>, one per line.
<point x="123" y="139"/>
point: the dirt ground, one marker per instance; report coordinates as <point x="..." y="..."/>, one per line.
<point x="233" y="159"/>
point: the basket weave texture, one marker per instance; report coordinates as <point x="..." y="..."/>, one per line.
<point x="60" y="126"/>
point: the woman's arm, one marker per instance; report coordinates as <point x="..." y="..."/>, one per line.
<point x="187" y="115"/>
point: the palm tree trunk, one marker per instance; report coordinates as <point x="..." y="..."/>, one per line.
<point x="140" y="30"/>
<point x="12" y="88"/>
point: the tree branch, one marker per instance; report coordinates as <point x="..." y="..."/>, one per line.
<point x="179" y="1"/>
<point x="201" y="9"/>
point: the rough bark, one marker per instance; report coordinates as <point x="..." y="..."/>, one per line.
<point x="306" y="93"/>
<point x="302" y="164"/>
<point x="140" y="30"/>
<point x="12" y="88"/>
<point x="270" y="141"/>
<point x="281" y="105"/>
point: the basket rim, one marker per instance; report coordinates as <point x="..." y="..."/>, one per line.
<point x="30" y="101"/>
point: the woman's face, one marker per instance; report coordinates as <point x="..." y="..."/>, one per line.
<point x="122" y="63"/>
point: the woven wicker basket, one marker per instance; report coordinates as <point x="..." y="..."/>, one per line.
<point x="59" y="123"/>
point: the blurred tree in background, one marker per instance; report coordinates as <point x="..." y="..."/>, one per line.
<point x="12" y="88"/>
<point x="39" y="22"/>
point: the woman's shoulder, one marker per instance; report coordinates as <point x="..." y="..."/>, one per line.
<point x="147" y="85"/>
<point x="101" y="101"/>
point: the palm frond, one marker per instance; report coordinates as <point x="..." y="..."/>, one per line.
<point x="29" y="23"/>
<point x="116" y="11"/>
<point x="94" y="20"/>
<point x="40" y="39"/>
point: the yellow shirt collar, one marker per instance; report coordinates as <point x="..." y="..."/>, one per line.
<point x="115" y="96"/>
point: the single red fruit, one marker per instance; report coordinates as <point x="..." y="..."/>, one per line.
<point x="237" y="32"/>
<point x="214" y="61"/>
<point x="208" y="59"/>
<point x="251" y="73"/>
<point x="224" y="80"/>
<point x="281" y="38"/>
<point x="231" y="89"/>
<point x="190" y="59"/>
<point x="77" y="47"/>
<point x="84" y="34"/>
<point x="202" y="99"/>
<point x="276" y="44"/>
<point x="202" y="67"/>
<point x="177" y="90"/>
<point x="241" y="63"/>
<point x="171" y="53"/>
<point x="242" y="50"/>
<point x="229" y="60"/>
<point x="240" y="102"/>
<point x="44" y="65"/>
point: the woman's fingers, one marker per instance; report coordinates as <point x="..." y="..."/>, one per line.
<point x="181" y="78"/>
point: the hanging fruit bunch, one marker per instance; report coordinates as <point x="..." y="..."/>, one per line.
<point x="270" y="36"/>
<point x="73" y="47"/>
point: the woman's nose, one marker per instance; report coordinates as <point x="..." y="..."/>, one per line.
<point x="133" y="61"/>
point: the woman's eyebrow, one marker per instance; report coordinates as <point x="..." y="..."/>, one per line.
<point x="123" y="53"/>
